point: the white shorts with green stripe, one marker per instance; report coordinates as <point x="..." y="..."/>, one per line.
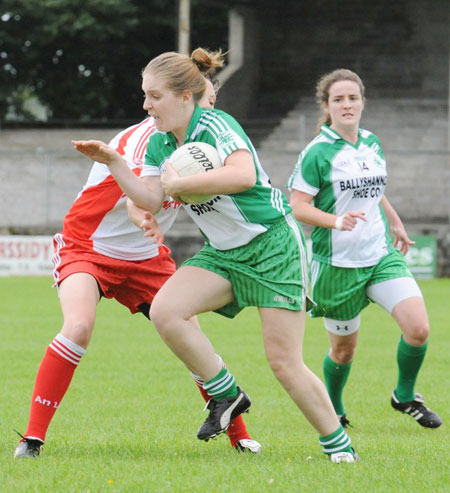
<point x="342" y="293"/>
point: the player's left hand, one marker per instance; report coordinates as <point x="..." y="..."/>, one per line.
<point x="170" y="180"/>
<point x="401" y="238"/>
<point x="152" y="229"/>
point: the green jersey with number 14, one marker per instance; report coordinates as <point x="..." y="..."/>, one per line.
<point x="226" y="221"/>
<point x="345" y="177"/>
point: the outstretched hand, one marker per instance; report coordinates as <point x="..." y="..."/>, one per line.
<point x="152" y="229"/>
<point x="97" y="151"/>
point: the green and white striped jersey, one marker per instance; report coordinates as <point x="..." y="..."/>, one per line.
<point x="345" y="177"/>
<point x="226" y="221"/>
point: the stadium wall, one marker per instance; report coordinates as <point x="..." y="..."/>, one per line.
<point x="399" y="48"/>
<point x="41" y="174"/>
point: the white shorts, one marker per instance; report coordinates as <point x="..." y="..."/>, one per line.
<point x="387" y="294"/>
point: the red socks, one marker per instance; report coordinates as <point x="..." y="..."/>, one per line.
<point x="52" y="381"/>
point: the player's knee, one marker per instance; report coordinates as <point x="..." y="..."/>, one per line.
<point x="343" y="346"/>
<point x="280" y="363"/>
<point x="277" y="365"/>
<point x="162" y="316"/>
<point x="281" y="371"/>
<point x="78" y="332"/>
<point x="157" y="314"/>
<point x="419" y="332"/>
<point x="343" y="354"/>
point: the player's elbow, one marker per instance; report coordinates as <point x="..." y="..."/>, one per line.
<point x="155" y="209"/>
<point x="298" y="210"/>
<point x="250" y="183"/>
<point x="248" y="179"/>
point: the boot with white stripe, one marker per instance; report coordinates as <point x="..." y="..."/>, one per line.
<point x="248" y="445"/>
<point x="222" y="413"/>
<point x="417" y="409"/>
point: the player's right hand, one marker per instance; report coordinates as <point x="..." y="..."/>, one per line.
<point x="349" y="220"/>
<point x="170" y="180"/>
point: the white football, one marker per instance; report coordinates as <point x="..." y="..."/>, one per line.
<point x="192" y="159"/>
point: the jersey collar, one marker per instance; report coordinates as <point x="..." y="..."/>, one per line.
<point x="170" y="137"/>
<point x="326" y="130"/>
<point x="194" y="121"/>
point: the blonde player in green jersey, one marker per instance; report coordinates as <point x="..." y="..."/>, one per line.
<point x="253" y="256"/>
<point x="338" y="186"/>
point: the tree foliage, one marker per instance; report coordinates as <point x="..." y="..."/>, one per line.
<point x="83" y="60"/>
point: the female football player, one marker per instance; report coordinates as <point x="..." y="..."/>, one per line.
<point x="254" y="253"/>
<point x="338" y="186"/>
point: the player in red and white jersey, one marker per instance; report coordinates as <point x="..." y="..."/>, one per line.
<point x="100" y="252"/>
<point x="98" y="218"/>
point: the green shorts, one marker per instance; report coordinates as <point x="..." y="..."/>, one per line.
<point x="270" y="271"/>
<point x="340" y="293"/>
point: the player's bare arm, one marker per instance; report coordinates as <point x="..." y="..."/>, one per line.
<point x="305" y="211"/>
<point x="238" y="174"/>
<point x="135" y="213"/>
<point x="134" y="187"/>
<point x="401" y="238"/>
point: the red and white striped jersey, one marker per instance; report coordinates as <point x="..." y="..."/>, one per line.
<point x="98" y="218"/>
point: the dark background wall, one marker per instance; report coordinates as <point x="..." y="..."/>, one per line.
<point x="399" y="48"/>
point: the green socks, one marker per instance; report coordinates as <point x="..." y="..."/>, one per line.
<point x="222" y="386"/>
<point x="409" y="360"/>
<point x="335" y="379"/>
<point x="338" y="441"/>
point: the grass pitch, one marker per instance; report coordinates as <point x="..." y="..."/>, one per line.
<point x="128" y="422"/>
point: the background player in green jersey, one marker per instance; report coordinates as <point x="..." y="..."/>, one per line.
<point x="254" y="254"/>
<point x="338" y="186"/>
